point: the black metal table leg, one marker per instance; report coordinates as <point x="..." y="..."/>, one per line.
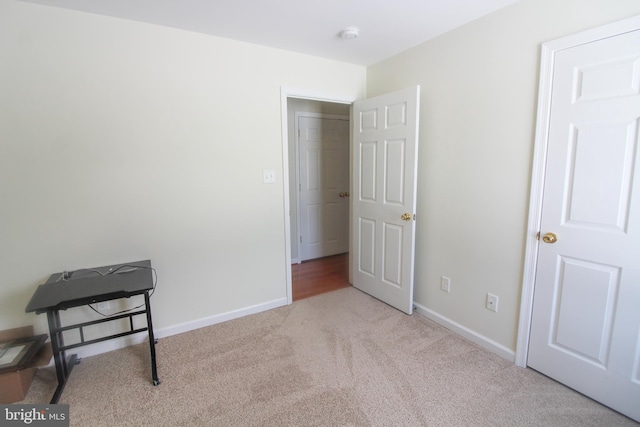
<point x="63" y="367"/>
<point x="152" y="341"/>
<point x="58" y="355"/>
<point x="73" y="360"/>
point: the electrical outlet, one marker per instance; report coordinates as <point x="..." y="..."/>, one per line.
<point x="445" y="284"/>
<point x="268" y="176"/>
<point x="492" y="302"/>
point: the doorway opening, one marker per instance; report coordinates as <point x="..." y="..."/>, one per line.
<point x="382" y="185"/>
<point x="324" y="273"/>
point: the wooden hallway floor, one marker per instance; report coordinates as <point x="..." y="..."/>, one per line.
<point x="318" y="276"/>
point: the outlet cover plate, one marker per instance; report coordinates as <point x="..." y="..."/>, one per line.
<point x="268" y="176"/>
<point x="492" y="302"/>
<point x="445" y="283"/>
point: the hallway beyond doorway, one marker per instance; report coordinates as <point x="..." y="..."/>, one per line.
<point x="321" y="275"/>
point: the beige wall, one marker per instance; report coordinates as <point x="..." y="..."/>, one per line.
<point x="123" y="141"/>
<point x="479" y="91"/>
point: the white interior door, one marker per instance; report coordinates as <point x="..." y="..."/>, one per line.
<point x="385" y="148"/>
<point x="324" y="186"/>
<point x="585" y="326"/>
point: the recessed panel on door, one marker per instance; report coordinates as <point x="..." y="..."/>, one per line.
<point x="586" y="297"/>
<point x="369" y="120"/>
<point x="368" y="168"/>
<point x="600" y="174"/>
<point x="367" y="244"/>
<point x="313" y="134"/>
<point x="332" y="180"/>
<point x="392" y="254"/>
<point x="394" y="157"/>
<point x="313" y="225"/>
<point x="332" y="215"/>
<point x="396" y="115"/>
<point x="313" y="169"/>
<point x="607" y="79"/>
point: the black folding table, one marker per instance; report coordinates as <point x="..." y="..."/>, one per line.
<point x="91" y="286"/>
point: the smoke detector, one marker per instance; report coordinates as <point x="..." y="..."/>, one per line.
<point x="349" y="33"/>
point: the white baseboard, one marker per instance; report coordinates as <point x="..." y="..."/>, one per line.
<point x="467" y="333"/>
<point x="219" y="318"/>
<point x="118" y="343"/>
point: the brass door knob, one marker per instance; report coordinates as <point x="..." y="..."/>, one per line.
<point x="549" y="238"/>
<point x="406" y="217"/>
<point x="344" y="194"/>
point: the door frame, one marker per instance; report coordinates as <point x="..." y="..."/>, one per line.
<point x="297" y="115"/>
<point x="285" y="93"/>
<point x="548" y="52"/>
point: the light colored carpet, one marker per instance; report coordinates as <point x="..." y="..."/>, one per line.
<point x="338" y="359"/>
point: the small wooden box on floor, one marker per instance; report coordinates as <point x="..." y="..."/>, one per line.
<point x="14" y="385"/>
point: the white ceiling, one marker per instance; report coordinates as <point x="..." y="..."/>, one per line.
<point x="387" y="27"/>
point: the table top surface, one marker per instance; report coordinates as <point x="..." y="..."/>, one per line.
<point x="89" y="285"/>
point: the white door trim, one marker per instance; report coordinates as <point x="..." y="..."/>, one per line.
<point x="297" y="115"/>
<point x="548" y="52"/>
<point x="289" y="92"/>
